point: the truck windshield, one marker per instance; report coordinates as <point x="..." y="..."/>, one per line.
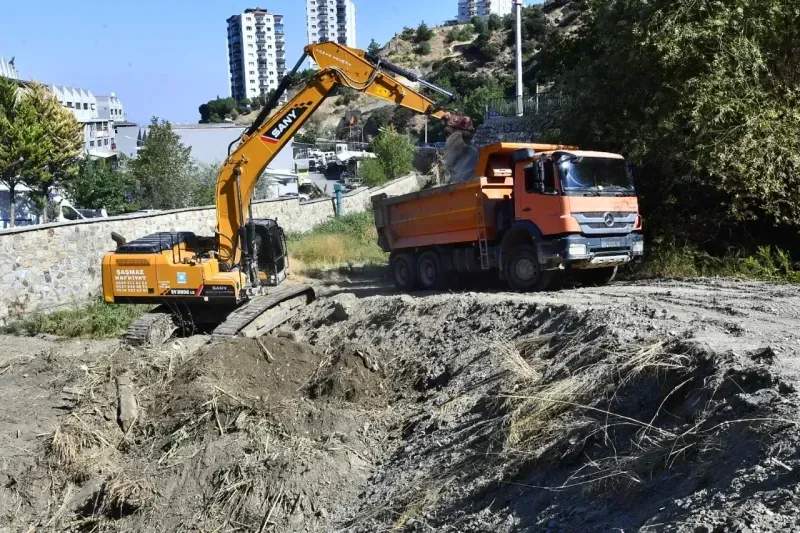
<point x="594" y="175"/>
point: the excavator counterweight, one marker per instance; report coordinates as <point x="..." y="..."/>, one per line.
<point x="234" y="282"/>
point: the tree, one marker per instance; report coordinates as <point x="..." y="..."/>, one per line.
<point x="372" y="173"/>
<point x="204" y="184"/>
<point x="217" y="110"/>
<point x="98" y="185"/>
<point x="475" y="103"/>
<point x="480" y="26"/>
<point x="163" y="169"/>
<point x="63" y="135"/>
<point x="374" y="48"/>
<point x="22" y="150"/>
<point x="377" y="120"/>
<point x="423" y="49"/>
<point x="402" y="119"/>
<point x="423" y="34"/>
<point x="395" y="152"/>
<point x="495" y="22"/>
<point x="702" y="96"/>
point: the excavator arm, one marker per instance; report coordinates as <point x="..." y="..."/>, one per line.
<point x="261" y="142"/>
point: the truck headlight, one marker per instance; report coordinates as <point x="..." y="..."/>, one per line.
<point x="576" y="249"/>
<point x="638" y="247"/>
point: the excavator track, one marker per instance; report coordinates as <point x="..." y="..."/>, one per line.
<point x="151" y="329"/>
<point x="265" y="313"/>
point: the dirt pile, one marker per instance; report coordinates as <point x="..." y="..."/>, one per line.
<point x="520" y="415"/>
<point x="251" y="433"/>
<point x="666" y="406"/>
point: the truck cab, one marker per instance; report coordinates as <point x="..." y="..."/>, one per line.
<point x="580" y="206"/>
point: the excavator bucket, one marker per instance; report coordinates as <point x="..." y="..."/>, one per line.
<point x="460" y="157"/>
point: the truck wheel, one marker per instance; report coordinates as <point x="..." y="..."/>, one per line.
<point x="597" y="277"/>
<point x="429" y="271"/>
<point x="523" y="271"/>
<point x="404" y="271"/>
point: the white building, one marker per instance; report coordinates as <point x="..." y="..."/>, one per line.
<point x="331" y="20"/>
<point x="98" y="126"/>
<point x="256" y="53"/>
<point x="483" y="8"/>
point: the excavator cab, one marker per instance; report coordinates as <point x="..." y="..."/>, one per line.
<point x="272" y="258"/>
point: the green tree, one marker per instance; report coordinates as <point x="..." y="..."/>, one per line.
<point x="494" y="23"/>
<point x="423" y="49"/>
<point x="423" y="34"/>
<point x="374" y="48"/>
<point x="204" y="184"/>
<point x="395" y="152"/>
<point x="372" y="173"/>
<point x="163" y="169"/>
<point x="702" y="95"/>
<point x="63" y="135"/>
<point x="377" y="120"/>
<point x="217" y="110"/>
<point x="480" y="26"/>
<point x="98" y="185"/>
<point x="23" y="148"/>
<point x="475" y="103"/>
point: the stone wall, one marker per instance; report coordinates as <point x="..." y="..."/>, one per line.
<point x="55" y="265"/>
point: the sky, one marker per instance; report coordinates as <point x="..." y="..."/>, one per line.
<point x="164" y="58"/>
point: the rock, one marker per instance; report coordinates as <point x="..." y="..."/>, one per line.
<point x="127" y="406"/>
<point x="340" y="312"/>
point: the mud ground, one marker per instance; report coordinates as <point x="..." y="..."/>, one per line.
<point x="649" y="406"/>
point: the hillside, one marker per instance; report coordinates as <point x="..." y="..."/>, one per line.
<point x="474" y="60"/>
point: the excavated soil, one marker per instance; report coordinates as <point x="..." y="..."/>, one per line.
<point x="661" y="406"/>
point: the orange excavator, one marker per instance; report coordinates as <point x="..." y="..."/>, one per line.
<point x="232" y="283"/>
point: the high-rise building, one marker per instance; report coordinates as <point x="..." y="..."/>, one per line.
<point x="256" y="52"/>
<point x="483" y="8"/>
<point x="331" y="20"/>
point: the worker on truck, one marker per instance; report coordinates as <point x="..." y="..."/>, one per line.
<point x="532" y="213"/>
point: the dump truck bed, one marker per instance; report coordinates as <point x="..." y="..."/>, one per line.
<point x="448" y="214"/>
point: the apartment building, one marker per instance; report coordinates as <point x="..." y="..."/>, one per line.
<point x="483" y="8"/>
<point x="256" y="52"/>
<point x="331" y="20"/>
<point x="99" y="137"/>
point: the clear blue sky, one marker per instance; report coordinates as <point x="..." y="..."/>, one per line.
<point x="165" y="57"/>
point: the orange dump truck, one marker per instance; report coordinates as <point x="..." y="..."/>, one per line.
<point x="531" y="213"/>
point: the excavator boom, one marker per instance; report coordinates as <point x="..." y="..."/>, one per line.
<point x="339" y="66"/>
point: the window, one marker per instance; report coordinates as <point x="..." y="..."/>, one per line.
<point x="252" y="72"/>
<point x="249" y="28"/>
<point x="91" y="143"/>
<point x="69" y="104"/>
<point x="251" y="64"/>
<point x="250" y="45"/>
<point x="85" y="106"/>
<point x="549" y="176"/>
<point x="105" y="142"/>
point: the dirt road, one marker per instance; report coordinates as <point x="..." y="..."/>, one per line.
<point x="659" y="406"/>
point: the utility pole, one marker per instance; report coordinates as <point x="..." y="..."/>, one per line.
<point x="520" y="101"/>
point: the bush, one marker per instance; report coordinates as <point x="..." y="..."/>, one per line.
<point x="460" y="34"/>
<point x="480" y="26"/>
<point x="484" y="49"/>
<point x="668" y="260"/>
<point x="408" y="34"/>
<point x="495" y="22"/>
<point x="423" y="49"/>
<point x="395" y="152"/>
<point x="372" y="173"/>
<point x="96" y="321"/>
<point x="423" y="33"/>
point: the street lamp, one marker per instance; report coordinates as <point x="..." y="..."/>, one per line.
<point x="520" y="101"/>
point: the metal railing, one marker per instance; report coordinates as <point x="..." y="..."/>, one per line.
<point x="546" y="102"/>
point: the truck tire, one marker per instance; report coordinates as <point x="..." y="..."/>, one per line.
<point x="523" y="271"/>
<point x="404" y="271"/>
<point x="429" y="271"/>
<point x="597" y="277"/>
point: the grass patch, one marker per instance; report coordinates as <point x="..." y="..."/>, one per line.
<point x="98" y="320"/>
<point x="671" y="261"/>
<point x="347" y="240"/>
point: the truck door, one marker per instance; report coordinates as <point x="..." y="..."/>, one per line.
<point x="536" y="196"/>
